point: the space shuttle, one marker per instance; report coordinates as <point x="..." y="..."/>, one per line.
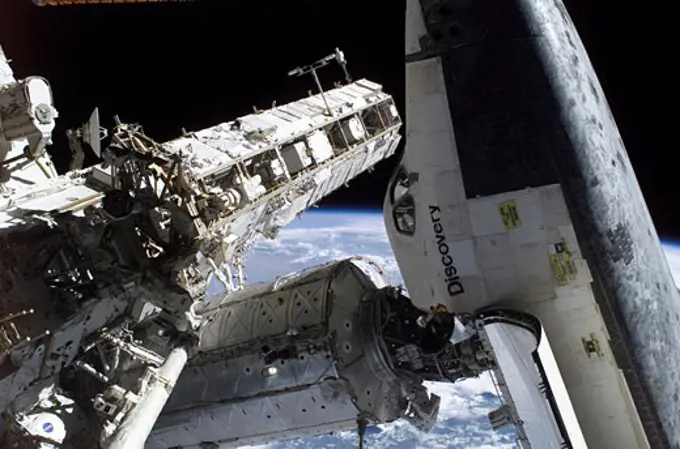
<point x="514" y="214"/>
<point x="515" y="191"/>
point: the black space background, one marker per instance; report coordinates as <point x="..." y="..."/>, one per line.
<point x="193" y="65"/>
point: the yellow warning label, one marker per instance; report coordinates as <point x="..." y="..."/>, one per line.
<point x="508" y="210"/>
<point x="592" y="346"/>
<point x="562" y="264"/>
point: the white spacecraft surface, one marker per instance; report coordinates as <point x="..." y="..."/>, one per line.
<point x="126" y="321"/>
<point x="515" y="190"/>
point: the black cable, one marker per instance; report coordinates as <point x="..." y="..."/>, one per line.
<point x="361" y="428"/>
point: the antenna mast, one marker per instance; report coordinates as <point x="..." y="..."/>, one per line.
<point x="338" y="56"/>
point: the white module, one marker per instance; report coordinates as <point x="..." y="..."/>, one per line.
<point x="249" y="382"/>
<point x="27" y="118"/>
<point x="320" y="147"/>
<point x="296" y="157"/>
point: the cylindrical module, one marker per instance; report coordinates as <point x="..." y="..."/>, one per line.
<point x="310" y="353"/>
<point x="283" y="359"/>
<point x="610" y="215"/>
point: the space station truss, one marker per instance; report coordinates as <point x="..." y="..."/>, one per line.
<point x="88" y="257"/>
